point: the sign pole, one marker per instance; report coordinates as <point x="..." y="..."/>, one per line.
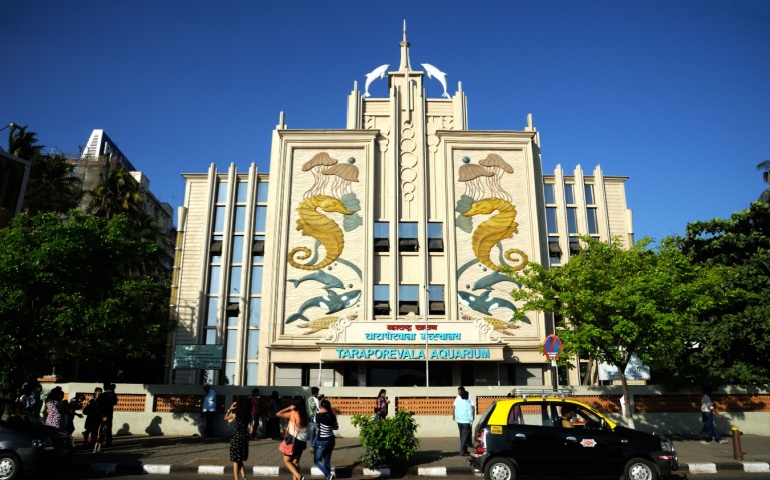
<point x="552" y="348"/>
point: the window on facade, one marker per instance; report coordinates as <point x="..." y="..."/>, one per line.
<point x="381" y="237"/>
<point x="235" y="280"/>
<point x="243" y="192"/>
<point x="381" y="300"/>
<point x="232" y="309"/>
<point x="554" y="251"/>
<point x="237" y="253"/>
<point x="574" y="246"/>
<point x="436" y="304"/>
<point x="240" y="219"/>
<point x="258" y="249"/>
<point x="222" y="192"/>
<point x="407" y="237"/>
<point x="548" y="190"/>
<point x="572" y="220"/>
<point x="435" y="237"/>
<point x="219" y="219"/>
<point x="262" y="192"/>
<point x="260" y="219"/>
<point x="215" y="249"/>
<point x="550" y="219"/>
<point x="589" y="191"/>
<point x="569" y="194"/>
<point x="214" y="274"/>
<point x="408" y="299"/>
<point x="256" y="280"/>
<point x="593" y="224"/>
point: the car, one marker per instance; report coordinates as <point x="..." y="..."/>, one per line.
<point x="549" y="434"/>
<point x="26" y="444"/>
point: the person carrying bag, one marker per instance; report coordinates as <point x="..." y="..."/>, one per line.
<point x="295" y="439"/>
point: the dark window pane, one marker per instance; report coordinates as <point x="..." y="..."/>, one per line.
<point x="589" y="189"/>
<point x="549" y="193"/>
<point x="550" y="219"/>
<point x="572" y="220"/>
<point x="569" y="194"/>
<point x="593" y="226"/>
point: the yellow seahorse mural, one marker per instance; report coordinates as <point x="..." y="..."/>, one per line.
<point x="495" y="229"/>
<point x="313" y="223"/>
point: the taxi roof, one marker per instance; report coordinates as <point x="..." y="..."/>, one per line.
<point x="503" y="406"/>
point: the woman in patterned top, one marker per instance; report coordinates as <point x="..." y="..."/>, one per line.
<point x="240" y="412"/>
<point x="327" y="423"/>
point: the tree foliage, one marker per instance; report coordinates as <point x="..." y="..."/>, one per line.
<point x="618" y="301"/>
<point x="51" y="186"/>
<point x="731" y="341"/>
<point x="388" y="441"/>
<point x="68" y="291"/>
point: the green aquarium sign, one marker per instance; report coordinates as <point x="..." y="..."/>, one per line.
<point x="202" y="357"/>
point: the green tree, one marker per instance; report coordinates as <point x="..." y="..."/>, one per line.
<point x="731" y="341"/>
<point x="619" y="302"/>
<point x="23" y="144"/>
<point x="67" y="291"/>
<point x="116" y="193"/>
<point x="389" y="441"/>
<point x="764" y="167"/>
<point x="51" y="186"/>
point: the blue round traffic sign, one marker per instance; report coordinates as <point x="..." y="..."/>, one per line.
<point x="552" y="347"/>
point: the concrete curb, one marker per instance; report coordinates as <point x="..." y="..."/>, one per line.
<point x="314" y="472"/>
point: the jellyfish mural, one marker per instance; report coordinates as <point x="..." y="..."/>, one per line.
<point x="471" y="174"/>
<point x="317" y="165"/>
<point x="345" y="173"/>
<point x="499" y="168"/>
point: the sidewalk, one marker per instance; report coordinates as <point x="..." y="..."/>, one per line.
<point x="436" y="457"/>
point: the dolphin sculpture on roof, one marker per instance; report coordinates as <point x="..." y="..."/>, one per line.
<point x="435" y="72"/>
<point x="372" y="76"/>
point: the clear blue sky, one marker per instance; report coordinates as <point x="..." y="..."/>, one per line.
<point x="673" y="94"/>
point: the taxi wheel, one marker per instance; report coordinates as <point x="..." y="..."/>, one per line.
<point x="10" y="466"/>
<point x="641" y="469"/>
<point x="499" y="469"/>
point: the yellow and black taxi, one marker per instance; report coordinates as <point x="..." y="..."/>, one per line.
<point x="556" y="435"/>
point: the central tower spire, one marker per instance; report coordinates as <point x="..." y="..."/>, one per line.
<point x="405" y="66"/>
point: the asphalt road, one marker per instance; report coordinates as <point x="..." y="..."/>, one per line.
<point x="67" y="474"/>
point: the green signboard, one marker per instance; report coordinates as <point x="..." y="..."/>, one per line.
<point x="203" y="357"/>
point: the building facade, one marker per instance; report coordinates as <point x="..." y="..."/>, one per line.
<point x="371" y="255"/>
<point x="100" y="155"/>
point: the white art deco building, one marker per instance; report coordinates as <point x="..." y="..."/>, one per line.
<point x="369" y="256"/>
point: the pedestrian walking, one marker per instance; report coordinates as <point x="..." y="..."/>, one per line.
<point x="708" y="412"/>
<point x="463" y="415"/>
<point x="107" y="401"/>
<point x="240" y="413"/>
<point x="93" y="419"/>
<point x="104" y="428"/>
<point x="273" y="407"/>
<point x="53" y="408"/>
<point x="255" y="414"/>
<point x="381" y="408"/>
<point x="327" y="423"/>
<point x="312" y="408"/>
<point x="209" y="411"/>
<point x="297" y="429"/>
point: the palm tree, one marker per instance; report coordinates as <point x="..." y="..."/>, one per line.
<point x="51" y="186"/>
<point x="117" y="193"/>
<point x="22" y="143"/>
<point x="764" y="167"/>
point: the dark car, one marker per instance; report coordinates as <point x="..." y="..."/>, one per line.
<point x="563" y="437"/>
<point x="26" y="444"/>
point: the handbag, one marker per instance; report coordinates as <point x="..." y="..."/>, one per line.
<point x="287" y="445"/>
